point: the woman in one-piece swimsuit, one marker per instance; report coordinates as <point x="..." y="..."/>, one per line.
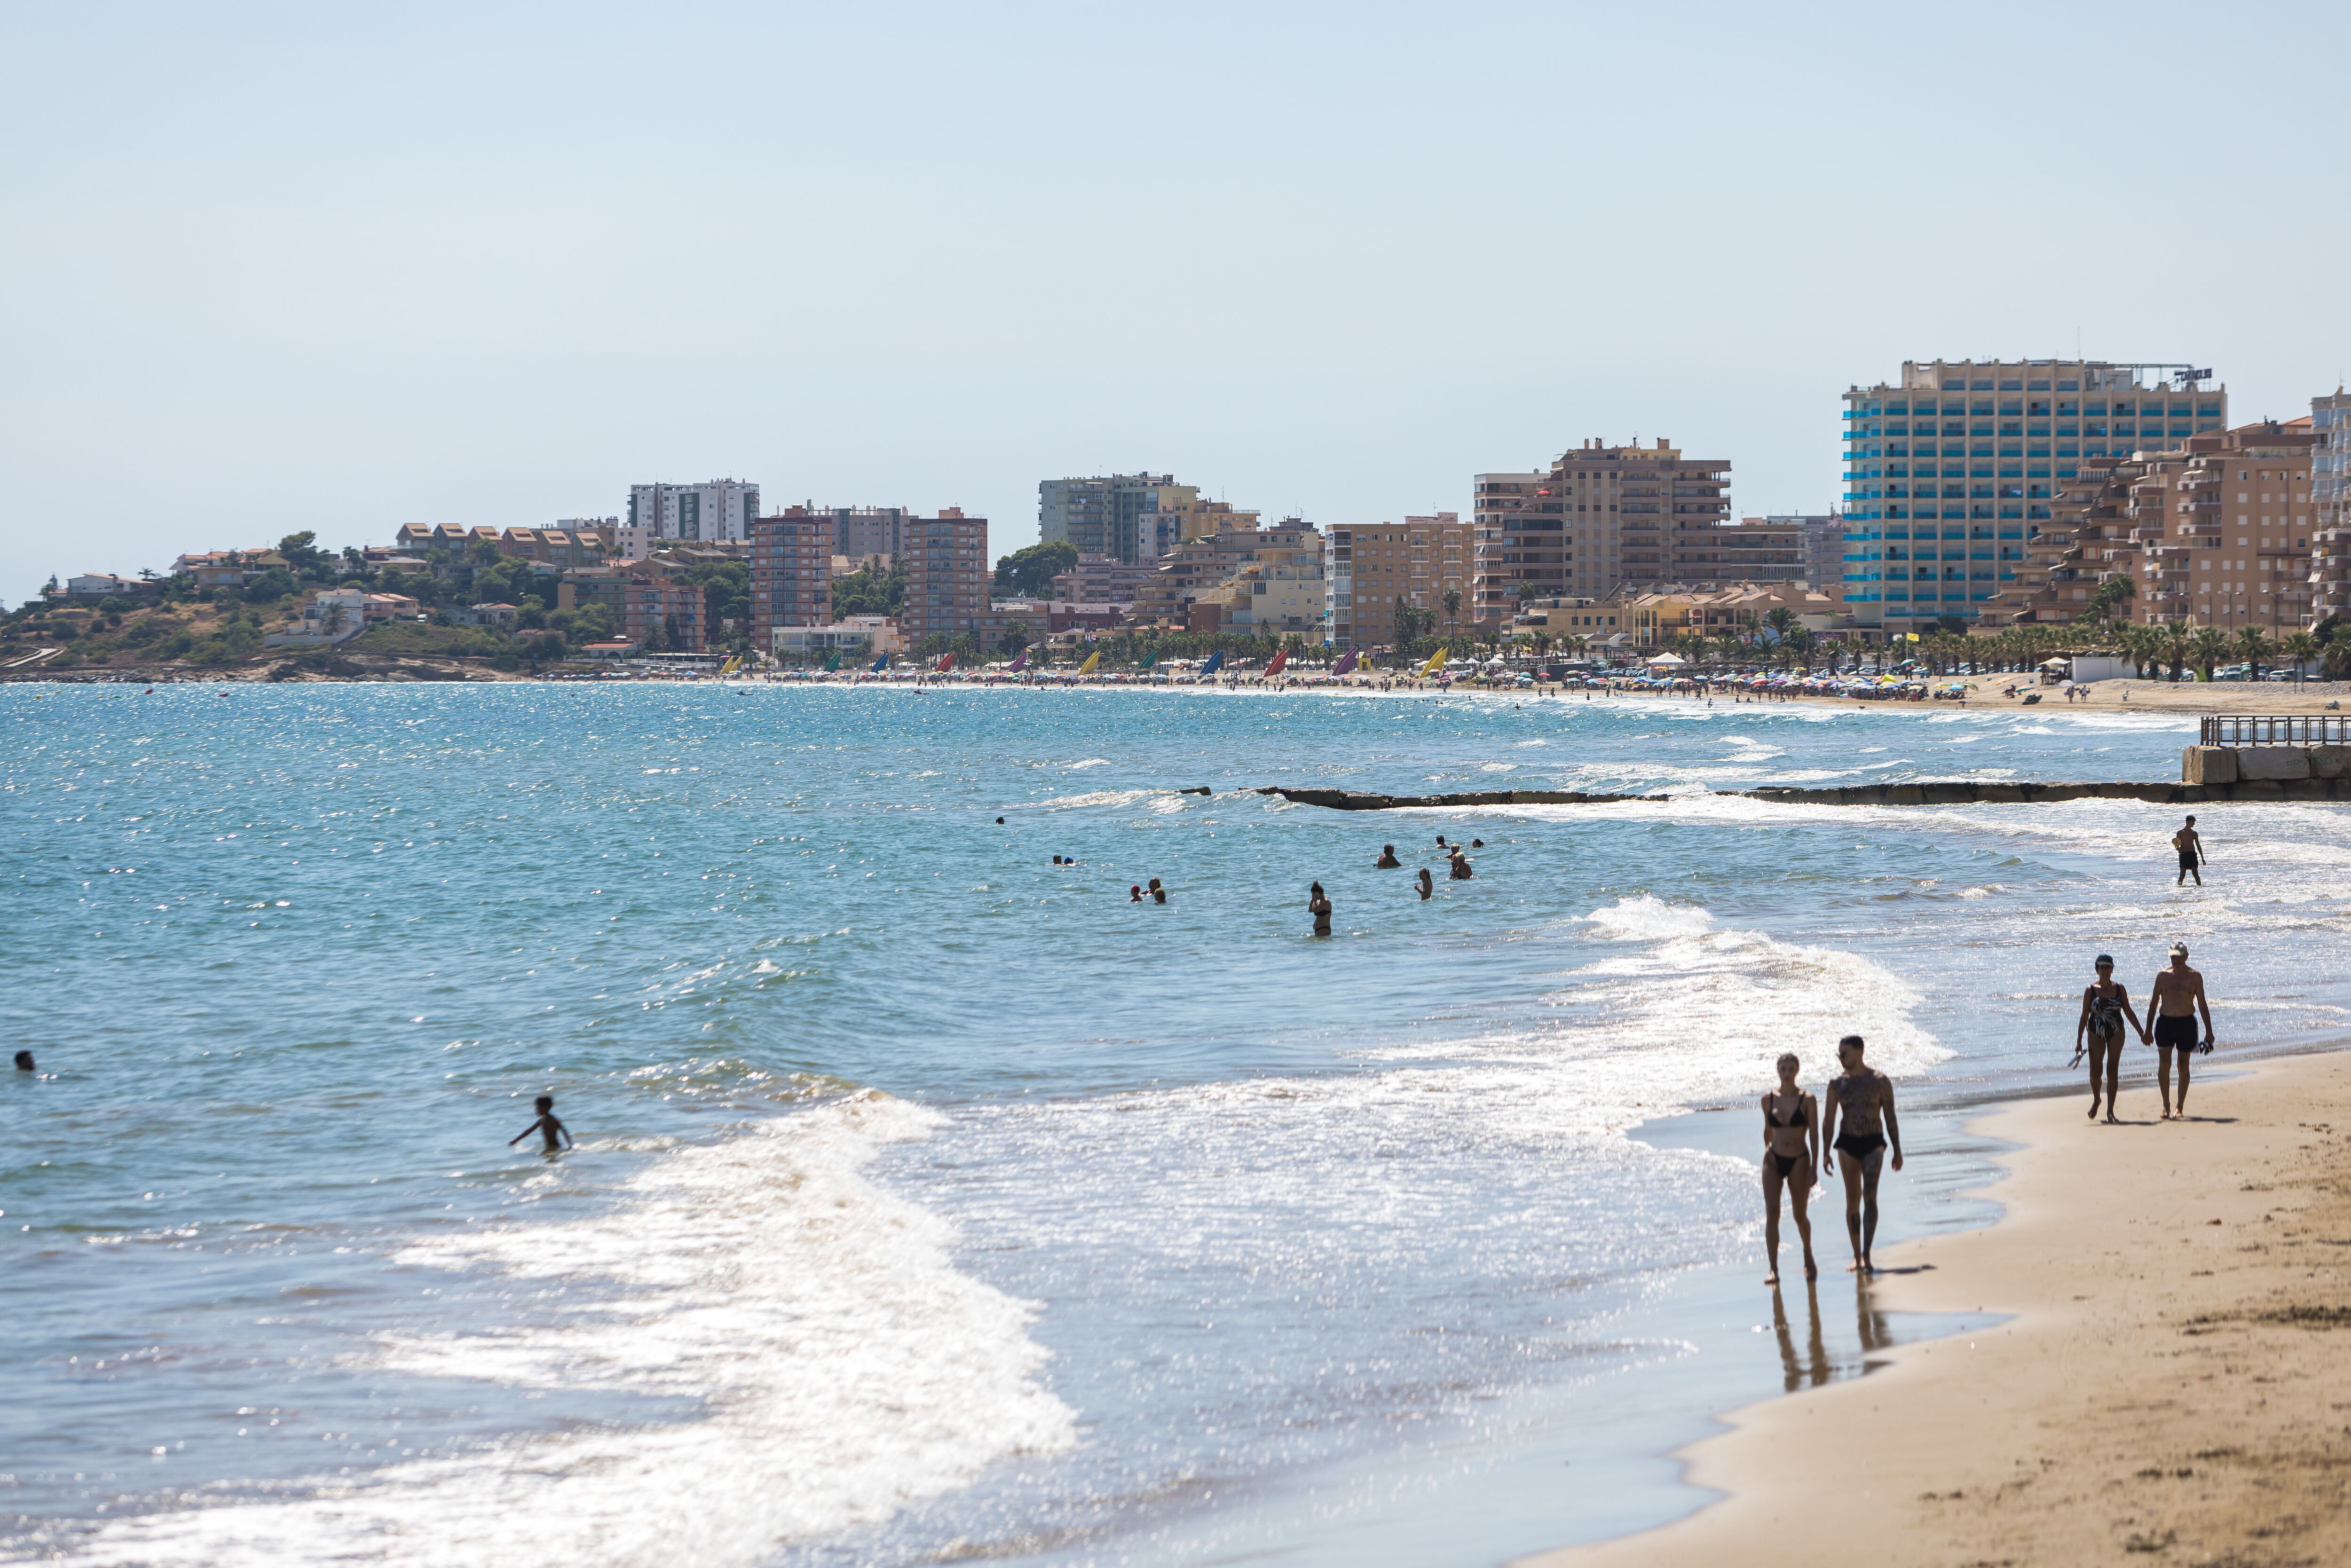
<point x="1791" y="1122"/>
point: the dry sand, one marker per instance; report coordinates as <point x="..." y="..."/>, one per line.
<point x="2169" y="1389"/>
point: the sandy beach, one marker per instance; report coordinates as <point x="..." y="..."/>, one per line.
<point x="2168" y="1387"/>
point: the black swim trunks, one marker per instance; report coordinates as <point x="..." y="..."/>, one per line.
<point x="2188" y="860"/>
<point x="2175" y="1033"/>
<point x="1860" y="1146"/>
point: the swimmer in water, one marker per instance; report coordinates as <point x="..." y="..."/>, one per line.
<point x="1427" y="883"/>
<point x="1461" y="872"/>
<point x="1318" y="903"/>
<point x="547" y="1127"/>
<point x="23" y="1062"/>
<point x="1158" y="894"/>
<point x="1387" y="859"/>
<point x="1135" y="892"/>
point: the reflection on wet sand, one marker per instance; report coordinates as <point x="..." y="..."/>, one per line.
<point x="1815" y="1364"/>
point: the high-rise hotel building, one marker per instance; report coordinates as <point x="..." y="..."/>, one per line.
<point x="720" y="510"/>
<point x="791" y="577"/>
<point x="2330" y="498"/>
<point x="1951" y="472"/>
<point x="946" y="578"/>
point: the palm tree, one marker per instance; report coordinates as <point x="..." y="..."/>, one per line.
<point x="2176" y="636"/>
<point x="1452" y="609"/>
<point x="2209" y="646"/>
<point x="2302" y="648"/>
<point x="2255" y="642"/>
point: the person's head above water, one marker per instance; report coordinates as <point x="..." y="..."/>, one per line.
<point x="23" y="1062"/>
<point x="545" y="1103"/>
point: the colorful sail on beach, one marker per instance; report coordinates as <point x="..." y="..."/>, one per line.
<point x="833" y="664"/>
<point x="1346" y="664"/>
<point x="1280" y="662"/>
<point x="1092" y="660"/>
<point x="1215" y="662"/>
<point x="946" y="663"/>
<point x="1435" y="662"/>
<point x="1020" y="661"/>
<point x="879" y="665"/>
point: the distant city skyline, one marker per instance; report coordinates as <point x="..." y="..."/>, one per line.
<point x="341" y="271"/>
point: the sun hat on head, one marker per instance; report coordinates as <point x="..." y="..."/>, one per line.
<point x="2103" y="961"/>
<point x="2179" y="949"/>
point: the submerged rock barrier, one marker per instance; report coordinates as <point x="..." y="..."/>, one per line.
<point x="1925" y="793"/>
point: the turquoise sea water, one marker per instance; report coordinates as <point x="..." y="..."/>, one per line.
<point x="935" y="1201"/>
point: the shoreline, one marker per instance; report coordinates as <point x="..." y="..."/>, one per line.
<point x="2161" y="1380"/>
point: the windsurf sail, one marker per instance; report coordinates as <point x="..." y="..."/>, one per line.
<point x="1092" y="660"/>
<point x="833" y="664"/>
<point x="1346" y="664"/>
<point x="1435" y="662"/>
<point x="946" y="663"/>
<point x="1020" y="661"/>
<point x="879" y="665"/>
<point x="1215" y="662"/>
<point x="1280" y="662"/>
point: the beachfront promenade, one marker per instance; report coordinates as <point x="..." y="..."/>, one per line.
<point x="2167" y="1386"/>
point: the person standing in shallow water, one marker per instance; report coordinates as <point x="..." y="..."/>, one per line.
<point x="547" y="1127"/>
<point x="1318" y="903"/>
<point x="1387" y="859"/>
<point x="1864" y="1098"/>
<point x="2104" y="1007"/>
<point x="1791" y="1158"/>
<point x="1427" y="883"/>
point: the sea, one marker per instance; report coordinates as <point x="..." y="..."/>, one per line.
<point x="933" y="1201"/>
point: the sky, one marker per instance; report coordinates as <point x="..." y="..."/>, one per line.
<point x="269" y="267"/>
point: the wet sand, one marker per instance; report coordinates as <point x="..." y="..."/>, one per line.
<point x="2173" y="1386"/>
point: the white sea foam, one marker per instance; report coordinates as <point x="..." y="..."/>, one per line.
<point x="1101" y="797"/>
<point x="844" y="1367"/>
<point x="1088" y="762"/>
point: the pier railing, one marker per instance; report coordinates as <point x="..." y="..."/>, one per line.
<point x="2277" y="729"/>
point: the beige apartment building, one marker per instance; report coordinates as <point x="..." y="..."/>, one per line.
<point x="2223" y="531"/>
<point x="946" y="578"/>
<point x="1602" y="516"/>
<point x="1209" y="560"/>
<point x="1440" y="552"/>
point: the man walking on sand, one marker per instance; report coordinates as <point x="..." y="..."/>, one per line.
<point x="2176" y="996"/>
<point x="2191" y="846"/>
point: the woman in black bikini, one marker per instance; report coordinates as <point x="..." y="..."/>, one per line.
<point x="2105" y="1006"/>
<point x="1791" y="1157"/>
<point x="1866" y="1098"/>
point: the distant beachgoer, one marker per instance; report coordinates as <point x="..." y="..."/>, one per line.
<point x="1318" y="903"/>
<point x="1056" y="860"/>
<point x="1460" y="872"/>
<point x="1477" y="843"/>
<point x="547" y="1127"/>
<point x="2099" y="1032"/>
<point x="1427" y="883"/>
<point x="1791" y="1158"/>
<point x="1865" y="1097"/>
<point x="1158" y="894"/>
<point x="1387" y="859"/>
<point x="1440" y="840"/>
<point x="23" y="1062"/>
<point x="2191" y="846"/>
<point x="1135" y="892"/>
<point x="999" y="821"/>
<point x="2175" y="1000"/>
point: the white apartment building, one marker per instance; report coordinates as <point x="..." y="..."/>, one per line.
<point x="719" y="510"/>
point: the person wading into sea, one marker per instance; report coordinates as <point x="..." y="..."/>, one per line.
<point x="1791" y="1158"/>
<point x="1864" y="1098"/>
<point x="545" y="1126"/>
<point x="2191" y="846"/>
<point x="1318" y="903"/>
<point x="1387" y="861"/>
<point x="2176" y="998"/>
<point x="1461" y="872"/>
<point x="1428" y="885"/>
<point x="2104" y="1007"/>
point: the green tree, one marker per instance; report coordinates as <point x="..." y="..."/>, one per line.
<point x="1452" y="600"/>
<point x="869" y="590"/>
<point x="1030" y="572"/>
<point x="2255" y="642"/>
<point x="1016" y="636"/>
<point x="2209" y="646"/>
<point x="2109" y="596"/>
<point x="302" y="554"/>
<point x="726" y="590"/>
<point x="274" y="583"/>
<point x="2178" y="637"/>
<point x="2302" y="647"/>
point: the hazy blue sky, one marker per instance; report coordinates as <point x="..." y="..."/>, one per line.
<point x="338" y="267"/>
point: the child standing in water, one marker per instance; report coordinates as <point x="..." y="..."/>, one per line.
<point x="547" y="1127"/>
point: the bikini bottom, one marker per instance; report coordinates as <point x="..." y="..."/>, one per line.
<point x="1784" y="1163"/>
